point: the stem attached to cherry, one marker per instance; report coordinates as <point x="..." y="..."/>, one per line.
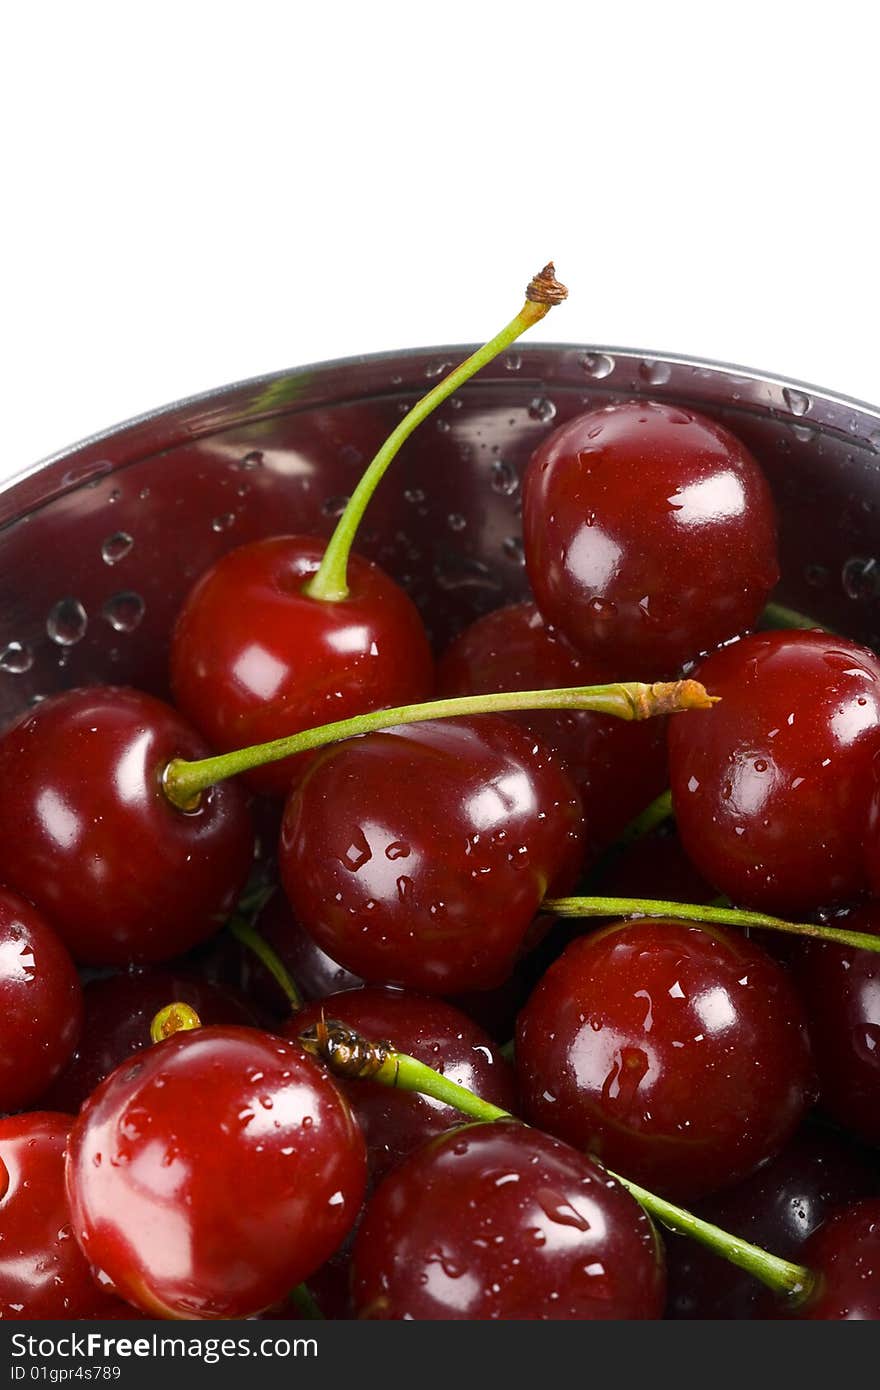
<point x="330" y="582"/>
<point x="184" y="782"/>
<point x="348" y="1054"/>
<point x="702" y="913"/>
<point x="248" y="936"/>
<point x="776" y="615"/>
<point x="174" y="1018"/>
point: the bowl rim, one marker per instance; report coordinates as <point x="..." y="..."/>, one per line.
<point x="193" y="404"/>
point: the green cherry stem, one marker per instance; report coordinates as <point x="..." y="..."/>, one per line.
<point x="304" y="1300"/>
<point x="330" y="582"/>
<point x="348" y="1054"/>
<point x="248" y="935"/>
<point x="660" y="810"/>
<point x="184" y="782"/>
<point x="776" y="615"/>
<point x="705" y="914"/>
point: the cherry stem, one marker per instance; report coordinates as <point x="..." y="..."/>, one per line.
<point x="184" y="782"/>
<point x="248" y="935"/>
<point x="705" y="914"/>
<point x="174" y="1018"/>
<point x="330" y="582"/>
<point x="776" y="615"/>
<point x="347" y="1053"/>
<point x="303" y="1299"/>
<point x="660" y="810"/>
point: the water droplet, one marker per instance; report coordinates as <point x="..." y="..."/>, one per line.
<point x="398" y="849"/>
<point x="436" y="369"/>
<point x="797" y="401"/>
<point x="602" y="607"/>
<point x="67" y="622"/>
<point x="805" y="434"/>
<point x="560" y="1210"/>
<point x="334" y="506"/>
<point x="252" y="460"/>
<point x="502" y="478"/>
<point x="456" y="522"/>
<point x="414" y="495"/>
<point x="116" y="547"/>
<point x="542" y="409"/>
<point x="874" y="440"/>
<point x="223" y="523"/>
<point x="654" y="372"/>
<point x="514" y="549"/>
<point x="124" y="611"/>
<point x="861" y="578"/>
<point x="513" y="361"/>
<point x="358" y="853"/>
<point x="16" y="658"/>
<point x="597" y="364"/>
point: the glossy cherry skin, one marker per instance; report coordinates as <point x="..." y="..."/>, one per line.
<point x="676" y="1053"/>
<point x="840" y="986"/>
<point x="617" y="767"/>
<point x="395" y="1123"/>
<point x="211" y="1174"/>
<point x="771" y="787"/>
<point x="253" y="658"/>
<point x="844" y="1256"/>
<point x="650" y="535"/>
<point x="118" y="1012"/>
<point x="498" y="1221"/>
<point x="40" y="1003"/>
<point x="88" y="835"/>
<point x="419" y="856"/>
<point x="777" y="1208"/>
<point x="43" y="1273"/>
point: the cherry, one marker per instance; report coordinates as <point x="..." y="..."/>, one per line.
<point x="43" y="1273"/>
<point x="649" y="534"/>
<point x="87" y="834"/>
<point x="677" y="1054"/>
<point x="254" y="657"/>
<point x="395" y="1123"/>
<point x="499" y="1221"/>
<point x="118" y="1012"/>
<point x="40" y="1003"/>
<point x="771" y="791"/>
<point x="844" y="1258"/>
<point x="840" y="987"/>
<point x="778" y="1207"/>
<point x="617" y="767"/>
<point x="419" y="856"/>
<point x="212" y="1173"/>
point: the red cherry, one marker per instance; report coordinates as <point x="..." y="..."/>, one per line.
<point x="419" y="856"/>
<point x="254" y="658"/>
<point x="617" y="767"/>
<point x="43" y="1273"/>
<point x="211" y="1174"/>
<point x="771" y="787"/>
<point x="840" y="987"/>
<point x="778" y="1208"/>
<point x="40" y="1003"/>
<point x="395" y="1123"/>
<point x="88" y="835"/>
<point x="676" y="1053"/>
<point x="499" y="1221"/>
<point x="649" y="535"/>
<point x="844" y="1256"/>
<point x="118" y="1013"/>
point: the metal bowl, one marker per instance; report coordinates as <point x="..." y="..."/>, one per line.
<point x="99" y="544"/>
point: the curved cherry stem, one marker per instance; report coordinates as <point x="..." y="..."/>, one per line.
<point x="776" y="615"/>
<point x="347" y="1053"/>
<point x="304" y="1300"/>
<point x="330" y="582"/>
<point x="660" y="810"/>
<point x="174" y="1018"/>
<point x="248" y="936"/>
<point x="703" y="913"/>
<point x="184" y="782"/>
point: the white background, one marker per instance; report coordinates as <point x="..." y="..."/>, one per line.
<point x="195" y="193"/>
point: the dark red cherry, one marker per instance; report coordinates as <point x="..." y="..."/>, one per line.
<point x="844" y="1256"/>
<point x="43" y="1273"/>
<point x="778" y="1209"/>
<point x="212" y="1173"/>
<point x="254" y="658"/>
<point x="88" y="835"/>
<point x="40" y="1003"/>
<point x="118" y="1012"/>
<point x="499" y="1221"/>
<point x="650" y="535"/>
<point x="840" y="986"/>
<point x="678" y="1054"/>
<point x="617" y="767"/>
<point x="394" y="1123"/>
<point x="419" y="856"/>
<point x="771" y="787"/>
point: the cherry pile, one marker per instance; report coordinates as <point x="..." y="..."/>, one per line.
<point x="416" y="1067"/>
